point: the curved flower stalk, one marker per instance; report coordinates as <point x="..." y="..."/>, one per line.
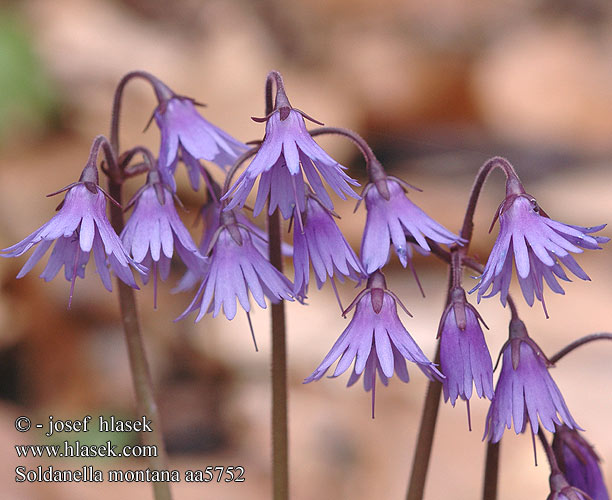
<point x="525" y="391"/>
<point x="376" y="340"/>
<point x="79" y="228"/>
<point x="464" y="357"/>
<point x="155" y="231"/>
<point x="391" y="218"/>
<point x="322" y="244"/>
<point x="236" y="267"/>
<point x="287" y="153"/>
<point x="538" y="245"/>
<point x="579" y="463"/>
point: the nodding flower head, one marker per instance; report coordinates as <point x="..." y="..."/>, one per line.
<point x="79" y="228"/>
<point x="579" y="463"/>
<point x="182" y="128"/>
<point x="376" y="341"/>
<point x="286" y="155"/>
<point x="525" y="391"/>
<point x="236" y="267"/>
<point x="538" y="245"/>
<point x="155" y="231"/>
<point x="464" y="356"/>
<point x="391" y="218"/>
<point x="318" y="240"/>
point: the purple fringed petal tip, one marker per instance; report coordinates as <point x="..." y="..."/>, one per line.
<point x="236" y="268"/>
<point x="539" y="245"/>
<point x="183" y="128"/>
<point x="464" y="357"/>
<point x="288" y="154"/>
<point x="79" y="228"/>
<point x="579" y="463"/>
<point x="391" y="221"/>
<point x="321" y="243"/>
<point x="377" y="343"/>
<point x="527" y="394"/>
<point x="154" y="232"/>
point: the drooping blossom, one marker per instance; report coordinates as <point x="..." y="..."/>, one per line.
<point x="560" y="489"/>
<point x="236" y="267"/>
<point x="182" y="128"/>
<point x="464" y="357"/>
<point x="525" y="391"/>
<point x="376" y="341"/>
<point x="391" y="218"/>
<point x="211" y="217"/>
<point x="538" y="245"/>
<point x="287" y="153"/>
<point x="318" y="240"/>
<point x="79" y="228"/>
<point x="579" y="463"/>
<point x="155" y="231"/>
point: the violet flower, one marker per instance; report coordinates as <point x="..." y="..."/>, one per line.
<point x="322" y="244"/>
<point x="155" y="231"/>
<point x="391" y="218"/>
<point x="464" y="357"/>
<point x="211" y="217"/>
<point x="579" y="463"/>
<point x="287" y="153"/>
<point x="183" y="128"/>
<point x="376" y="340"/>
<point x="79" y="228"/>
<point x="525" y="391"/>
<point x="560" y="489"/>
<point x="237" y="267"/>
<point x="538" y="245"/>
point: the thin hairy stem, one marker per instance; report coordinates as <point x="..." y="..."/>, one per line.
<point x="161" y="92"/>
<point x="550" y="455"/>
<point x="234" y="168"/>
<point x="375" y="170"/>
<point x="482" y="175"/>
<point x="141" y="376"/>
<point x="579" y="342"/>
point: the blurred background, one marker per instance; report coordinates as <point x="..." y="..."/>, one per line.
<point x="436" y="88"/>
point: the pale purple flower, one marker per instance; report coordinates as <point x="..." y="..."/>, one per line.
<point x="464" y="357"/>
<point x="560" y="489"/>
<point x="539" y="245"/>
<point x="287" y="153"/>
<point x="391" y="218"/>
<point x="376" y="341"/>
<point x="579" y="463"/>
<point x="322" y="244"/>
<point x="155" y="231"/>
<point x="183" y="128"/>
<point x="211" y="217"/>
<point x="525" y="391"/>
<point x="79" y="228"/>
<point x="237" y="267"/>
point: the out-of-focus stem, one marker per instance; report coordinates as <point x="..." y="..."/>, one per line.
<point x="129" y="316"/>
<point x="280" y="439"/>
<point x="422" y="452"/>
<point x="489" y="488"/>
<point x="577" y="343"/>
